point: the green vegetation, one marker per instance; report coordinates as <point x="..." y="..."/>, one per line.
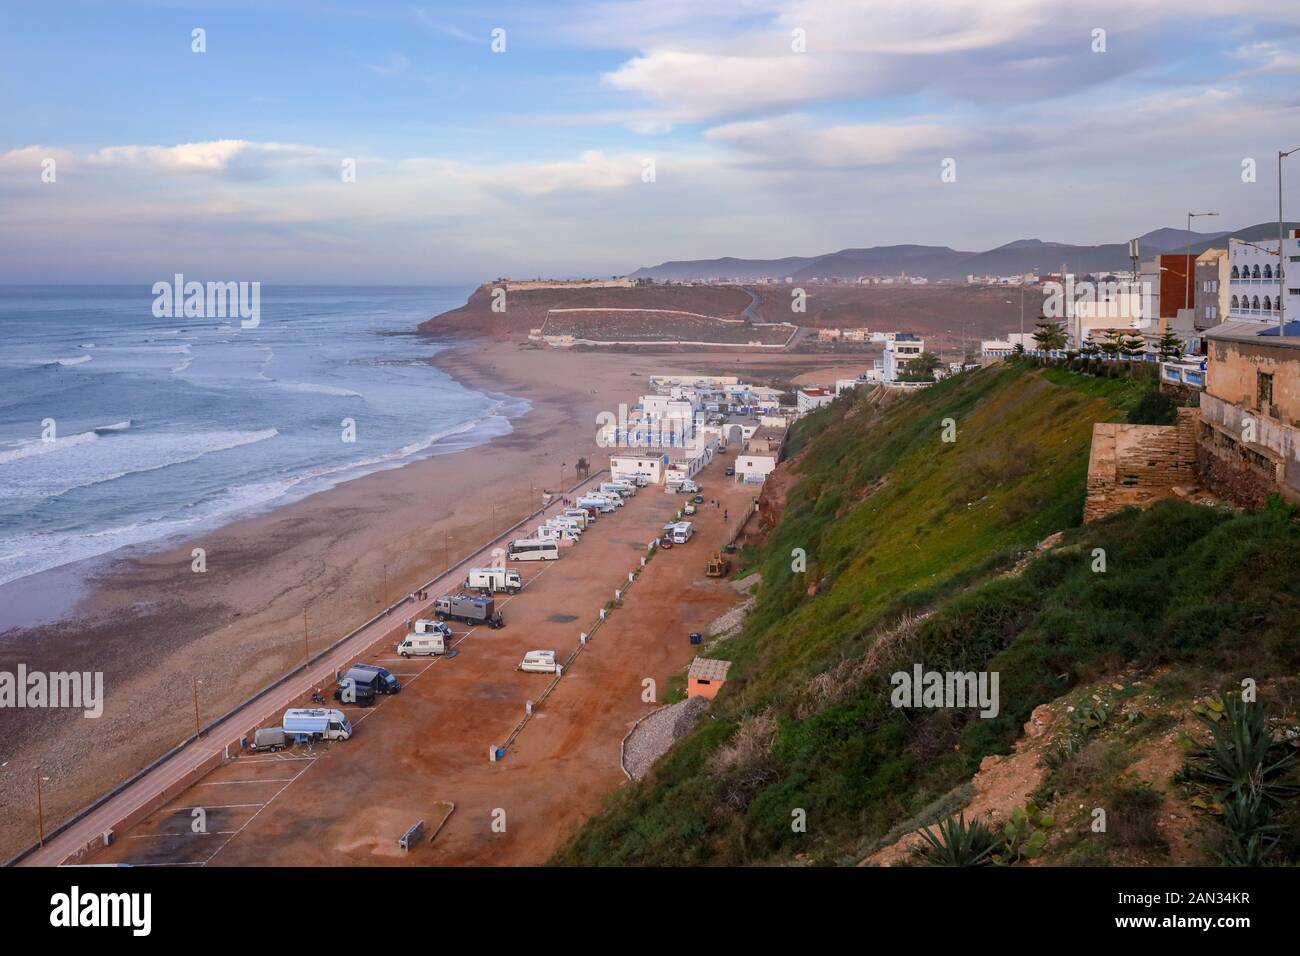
<point x="1154" y="408"/>
<point x="958" y="844"/>
<point x="908" y="540"/>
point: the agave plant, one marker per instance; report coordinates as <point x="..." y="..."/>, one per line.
<point x="958" y="843"/>
<point x="1242" y="757"/>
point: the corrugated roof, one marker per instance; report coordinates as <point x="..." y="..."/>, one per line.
<point x="704" y="668"/>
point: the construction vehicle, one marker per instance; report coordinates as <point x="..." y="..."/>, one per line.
<point x="718" y="566"/>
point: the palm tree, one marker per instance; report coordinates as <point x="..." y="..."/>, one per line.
<point x="582" y="469"/>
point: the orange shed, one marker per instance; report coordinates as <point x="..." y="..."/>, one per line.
<point x="705" y="677"/>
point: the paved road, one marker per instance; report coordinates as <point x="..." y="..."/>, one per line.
<point x="263" y="711"/>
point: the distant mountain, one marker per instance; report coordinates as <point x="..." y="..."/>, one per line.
<point x="942" y="262"/>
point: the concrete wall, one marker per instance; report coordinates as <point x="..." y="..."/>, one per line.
<point x="1233" y="377"/>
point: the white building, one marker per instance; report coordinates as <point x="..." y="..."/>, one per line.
<point x="754" y="469"/>
<point x="899" y="351"/>
<point x="809" y="398"/>
<point x="624" y="467"/>
<point x="1254" y="290"/>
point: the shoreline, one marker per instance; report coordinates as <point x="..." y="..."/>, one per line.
<point x="292" y="580"/>
<point x="154" y="628"/>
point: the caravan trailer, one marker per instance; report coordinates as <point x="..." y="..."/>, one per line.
<point x="538" y="662"/>
<point x="533" y="549"/>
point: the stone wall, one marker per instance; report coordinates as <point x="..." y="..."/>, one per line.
<point x="1136" y="465"/>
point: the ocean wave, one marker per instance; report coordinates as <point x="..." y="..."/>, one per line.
<point x="314" y="387"/>
<point x="91" y="458"/>
<point x="79" y="360"/>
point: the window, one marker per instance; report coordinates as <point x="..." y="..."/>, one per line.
<point x="1263" y="391"/>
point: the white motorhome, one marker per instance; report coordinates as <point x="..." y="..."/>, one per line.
<point x="621" y="488"/>
<point x="612" y="497"/>
<point x="533" y="549"/>
<point x="316" y="723"/>
<point x="566" y="521"/>
<point x="600" y="504"/>
<point x="560" y="533"/>
<point x="538" y="662"/>
<point x="494" y="579"/>
<point x="582" y="515"/>
<point x="682" y="532"/>
<point x="423" y="645"/>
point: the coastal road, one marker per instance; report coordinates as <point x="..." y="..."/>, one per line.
<point x="265" y="710"/>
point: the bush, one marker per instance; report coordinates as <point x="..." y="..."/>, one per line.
<point x="1154" y="408"/>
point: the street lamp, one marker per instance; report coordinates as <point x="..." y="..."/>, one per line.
<point x="197" y="726"/>
<point x="40" y="807"/>
<point x="1187" y="265"/>
<point x="1281" y="246"/>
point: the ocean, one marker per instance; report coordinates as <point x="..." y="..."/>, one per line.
<point x="162" y="427"/>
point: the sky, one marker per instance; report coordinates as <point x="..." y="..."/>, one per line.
<point x="591" y="138"/>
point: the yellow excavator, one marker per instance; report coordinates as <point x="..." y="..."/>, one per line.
<point x="718" y="566"/>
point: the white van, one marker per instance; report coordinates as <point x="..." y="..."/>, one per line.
<point x="494" y="579"/>
<point x="423" y="645"/>
<point x="316" y="723"/>
<point x="538" y="662"/>
<point x="682" y="532"/>
<point x="533" y="549"/>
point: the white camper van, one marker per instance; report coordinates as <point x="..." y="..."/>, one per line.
<point x="613" y="497"/>
<point x="682" y="532"/>
<point x="494" y="579"/>
<point x="423" y="645"/>
<point x="603" y="505"/>
<point x="554" y="532"/>
<point x="533" y="549"/>
<point x="316" y="723"/>
<point x="620" y="488"/>
<point x="581" y="515"/>
<point x="538" y="662"/>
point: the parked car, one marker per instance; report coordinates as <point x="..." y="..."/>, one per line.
<point x="698" y="499"/>
<point x="689" y="510"/>
<point x="730" y="472"/>
<point x="665" y="542"/>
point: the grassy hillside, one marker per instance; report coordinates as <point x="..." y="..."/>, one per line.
<point x="908" y="541"/>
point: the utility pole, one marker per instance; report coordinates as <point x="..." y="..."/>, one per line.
<point x="306" y="649"/>
<point x="195" y="683"/>
<point x="1281" y="246"/>
<point x="40" y="808"/>
<point x="1187" y="260"/>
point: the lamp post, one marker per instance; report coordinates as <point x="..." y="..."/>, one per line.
<point x="1187" y="265"/>
<point x="1281" y="246"/>
<point x="197" y="725"/>
<point x="40" y="808"/>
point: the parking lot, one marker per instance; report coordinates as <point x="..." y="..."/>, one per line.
<point x="348" y="802"/>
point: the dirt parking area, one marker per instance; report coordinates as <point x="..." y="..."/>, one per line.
<point x="348" y="802"/>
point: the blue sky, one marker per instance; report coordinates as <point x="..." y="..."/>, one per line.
<point x="472" y="164"/>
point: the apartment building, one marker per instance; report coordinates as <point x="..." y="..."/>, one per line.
<point x="1254" y="279"/>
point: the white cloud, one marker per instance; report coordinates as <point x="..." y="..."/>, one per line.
<point x="798" y="141"/>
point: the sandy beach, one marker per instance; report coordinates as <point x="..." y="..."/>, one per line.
<point x="163" y="635"/>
